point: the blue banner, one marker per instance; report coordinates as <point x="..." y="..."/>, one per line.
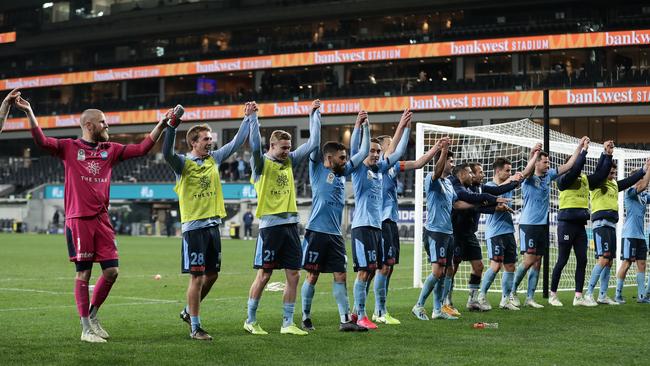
<point x="156" y="191"/>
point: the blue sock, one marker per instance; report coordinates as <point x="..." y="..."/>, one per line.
<point x="604" y="280"/>
<point x="252" y="310"/>
<point x="359" y="292"/>
<point x="196" y="322"/>
<point x="533" y="277"/>
<point x="595" y="275"/>
<point x="487" y="280"/>
<point x="437" y="295"/>
<point x="619" y="287"/>
<point x="341" y="297"/>
<point x="287" y="313"/>
<point x="506" y="283"/>
<point x="446" y="289"/>
<point x="520" y="272"/>
<point x="640" y="285"/>
<point x="427" y="287"/>
<point x="307" y="295"/>
<point x="380" y="294"/>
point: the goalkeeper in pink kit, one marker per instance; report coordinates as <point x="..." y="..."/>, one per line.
<point x="88" y="163"/>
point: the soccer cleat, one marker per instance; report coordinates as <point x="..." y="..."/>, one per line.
<point x="354" y="317"/>
<point x="366" y="323"/>
<point x="450" y="310"/>
<point x="351" y="327"/>
<point x="579" y="301"/>
<point x="644" y="300"/>
<point x="605" y="300"/>
<point x="419" y="312"/>
<point x="533" y="304"/>
<point x="507" y="305"/>
<point x="472" y="304"/>
<point x="307" y="324"/>
<point x="484" y="304"/>
<point x="254" y="328"/>
<point x="589" y="301"/>
<point x="514" y="300"/>
<point x="97" y="328"/>
<point x="554" y="301"/>
<point x="292" y="329"/>
<point x="185" y="316"/>
<point x="90" y="337"/>
<point x="442" y="315"/>
<point x="200" y="334"/>
<point x="619" y="300"/>
<point x="390" y="320"/>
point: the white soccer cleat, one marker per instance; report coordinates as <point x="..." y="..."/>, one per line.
<point x="531" y="303"/>
<point x="589" y="301"/>
<point x="90" y="337"/>
<point x="507" y="305"/>
<point x="514" y="300"/>
<point x="605" y="300"/>
<point x="442" y="315"/>
<point x="96" y="328"/>
<point x="484" y="304"/>
<point x="554" y="301"/>
<point x="473" y="305"/>
<point x="419" y="312"/>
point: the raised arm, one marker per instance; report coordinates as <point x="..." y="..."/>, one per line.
<point x="401" y="148"/>
<point x="6" y="106"/>
<point x="228" y="149"/>
<point x="628" y="182"/>
<point x="530" y="167"/>
<point x="642" y="185"/>
<point x="604" y="166"/>
<point x="255" y="140"/>
<point x="48" y="143"/>
<point x="468" y="196"/>
<point x="442" y="160"/>
<point x="500" y="189"/>
<point x="421" y="161"/>
<point x="404" y="122"/>
<point x="358" y="158"/>
<point x="298" y="155"/>
<point x="175" y="161"/>
<point x="356" y="138"/>
<point x="582" y="145"/>
<point x="564" y="181"/>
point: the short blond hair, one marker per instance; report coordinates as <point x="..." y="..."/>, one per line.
<point x="278" y="135"/>
<point x="193" y="133"/>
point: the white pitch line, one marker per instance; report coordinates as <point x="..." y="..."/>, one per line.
<point x="74" y="306"/>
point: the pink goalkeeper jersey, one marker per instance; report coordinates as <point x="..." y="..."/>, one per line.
<point x="88" y="170"/>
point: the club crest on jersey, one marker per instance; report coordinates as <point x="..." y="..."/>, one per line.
<point x="330" y="178"/>
<point x="371" y="175"/>
<point x="93" y="168"/>
<point x="104" y="155"/>
<point x="81" y="155"/>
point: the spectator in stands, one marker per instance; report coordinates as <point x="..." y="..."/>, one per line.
<point x="55" y="219"/>
<point x="6" y="106"/>
<point x="248" y="224"/>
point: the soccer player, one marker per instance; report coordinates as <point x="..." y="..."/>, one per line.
<point x="501" y="245"/>
<point x="390" y="235"/>
<point x="88" y="163"/>
<point x="634" y="244"/>
<point x="6" y="106"/>
<point x="200" y="197"/>
<point x="533" y="229"/>
<point x="572" y="217"/>
<point x="324" y="245"/>
<point x="441" y="197"/>
<point x="604" y="216"/>
<point x="367" y="252"/>
<point x="248" y="224"/>
<point x="278" y="243"/>
<point x="464" y="223"/>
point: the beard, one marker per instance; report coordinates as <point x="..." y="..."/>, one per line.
<point x="339" y="169"/>
<point x="101" y="136"/>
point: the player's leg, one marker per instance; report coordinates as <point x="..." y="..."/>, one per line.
<point x="608" y="256"/>
<point x="507" y="279"/>
<point x="441" y="269"/>
<point x="641" y="256"/>
<point x="471" y="252"/>
<point x="564" y="244"/>
<point x="430" y="246"/>
<point x="81" y="251"/>
<point x="533" y="278"/>
<point x="495" y="251"/>
<point x="364" y="255"/>
<point x="450" y="274"/>
<point x="628" y="255"/>
<point x="340" y="293"/>
<point x="307" y="295"/>
<point x="602" y="250"/>
<point x="262" y="277"/>
<point x="264" y="262"/>
<point x="390" y="248"/>
<point x="290" y="258"/>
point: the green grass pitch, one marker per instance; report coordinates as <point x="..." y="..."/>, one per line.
<point x="39" y="323"/>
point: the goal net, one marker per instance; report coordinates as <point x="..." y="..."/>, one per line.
<point x="513" y="140"/>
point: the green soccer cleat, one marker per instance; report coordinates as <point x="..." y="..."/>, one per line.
<point x="292" y="329"/>
<point x="254" y="328"/>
